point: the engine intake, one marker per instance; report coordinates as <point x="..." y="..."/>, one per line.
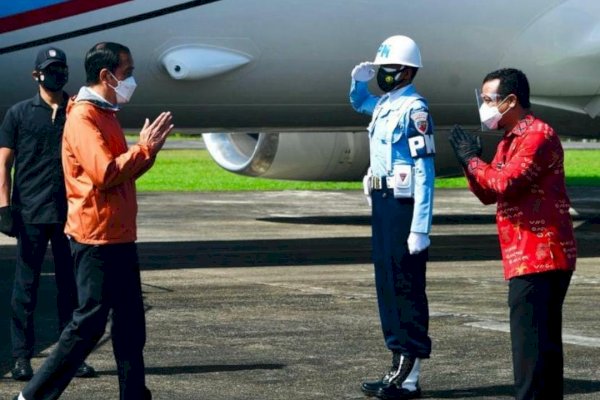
<point x="314" y="156"/>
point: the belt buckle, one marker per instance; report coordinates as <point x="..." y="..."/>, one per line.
<point x="376" y="183"/>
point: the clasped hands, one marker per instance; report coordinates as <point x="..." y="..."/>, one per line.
<point x="465" y="145"/>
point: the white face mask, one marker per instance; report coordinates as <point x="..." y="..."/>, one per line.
<point x="124" y="89"/>
<point x="490" y="116"/>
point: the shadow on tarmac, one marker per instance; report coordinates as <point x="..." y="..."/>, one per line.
<point x="330" y="251"/>
<point x="365" y="220"/>
<point x="201" y="369"/>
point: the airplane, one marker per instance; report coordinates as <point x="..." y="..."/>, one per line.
<point x="267" y="81"/>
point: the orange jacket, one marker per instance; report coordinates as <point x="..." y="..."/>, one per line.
<point x="100" y="175"/>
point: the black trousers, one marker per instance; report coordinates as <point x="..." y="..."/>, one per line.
<point x="108" y="278"/>
<point x="32" y="242"/>
<point x="535" y="303"/>
<point x="399" y="277"/>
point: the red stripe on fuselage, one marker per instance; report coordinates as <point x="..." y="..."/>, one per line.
<point x="52" y="13"/>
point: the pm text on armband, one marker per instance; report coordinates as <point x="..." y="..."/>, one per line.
<point x="421" y="146"/>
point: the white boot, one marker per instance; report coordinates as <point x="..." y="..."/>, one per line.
<point x="412" y="380"/>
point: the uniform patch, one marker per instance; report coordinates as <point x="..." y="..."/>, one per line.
<point x="421" y="146"/>
<point x="421" y="121"/>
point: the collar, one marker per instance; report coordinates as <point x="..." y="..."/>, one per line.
<point x="404" y="91"/>
<point x="90" y="95"/>
<point x="523" y="124"/>
<point x="39" y="102"/>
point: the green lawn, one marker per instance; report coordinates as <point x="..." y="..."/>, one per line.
<point x="194" y="170"/>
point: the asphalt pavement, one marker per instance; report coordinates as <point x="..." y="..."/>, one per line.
<point x="270" y="295"/>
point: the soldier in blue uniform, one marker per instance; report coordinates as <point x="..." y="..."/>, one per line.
<point x="399" y="185"/>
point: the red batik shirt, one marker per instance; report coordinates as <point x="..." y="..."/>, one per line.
<point x="526" y="179"/>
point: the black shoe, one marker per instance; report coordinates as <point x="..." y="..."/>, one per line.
<point x="394" y="392"/>
<point x="401" y="367"/>
<point x="147" y="394"/>
<point x="22" y="370"/>
<point x="370" y="388"/>
<point x="85" y="371"/>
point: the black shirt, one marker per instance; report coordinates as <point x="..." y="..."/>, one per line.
<point x="38" y="192"/>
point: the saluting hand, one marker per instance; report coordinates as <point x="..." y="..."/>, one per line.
<point x="154" y="134"/>
<point x="363" y="72"/>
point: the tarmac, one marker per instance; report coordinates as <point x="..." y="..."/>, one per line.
<point x="270" y="295"/>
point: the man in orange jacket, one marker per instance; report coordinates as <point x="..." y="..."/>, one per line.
<point x="100" y="173"/>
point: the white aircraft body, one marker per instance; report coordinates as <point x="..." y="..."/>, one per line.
<point x="267" y="81"/>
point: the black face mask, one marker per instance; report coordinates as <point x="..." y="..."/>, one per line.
<point x="54" y="81"/>
<point x="387" y="81"/>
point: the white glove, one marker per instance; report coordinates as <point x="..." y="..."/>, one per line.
<point x="363" y="72"/>
<point x="417" y="242"/>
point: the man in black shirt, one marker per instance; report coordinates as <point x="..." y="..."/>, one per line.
<point x="31" y="138"/>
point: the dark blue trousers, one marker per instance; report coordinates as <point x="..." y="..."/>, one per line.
<point x="108" y="278"/>
<point x="399" y="277"/>
<point x="32" y="242"/>
<point x="535" y="303"/>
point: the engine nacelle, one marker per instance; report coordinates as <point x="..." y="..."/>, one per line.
<point x="309" y="156"/>
<point x="319" y="156"/>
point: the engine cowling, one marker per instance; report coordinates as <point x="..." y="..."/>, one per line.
<point x="310" y="156"/>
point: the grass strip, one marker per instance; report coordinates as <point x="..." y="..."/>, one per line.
<point x="195" y="171"/>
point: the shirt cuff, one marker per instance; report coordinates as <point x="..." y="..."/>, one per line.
<point x="473" y="164"/>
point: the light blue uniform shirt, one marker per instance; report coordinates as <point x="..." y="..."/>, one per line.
<point x="401" y="133"/>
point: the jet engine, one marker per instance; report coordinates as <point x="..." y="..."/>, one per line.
<point x="310" y="156"/>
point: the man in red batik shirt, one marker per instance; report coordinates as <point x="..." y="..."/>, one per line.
<point x="526" y="179"/>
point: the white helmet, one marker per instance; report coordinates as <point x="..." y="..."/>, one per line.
<point x="399" y="50"/>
